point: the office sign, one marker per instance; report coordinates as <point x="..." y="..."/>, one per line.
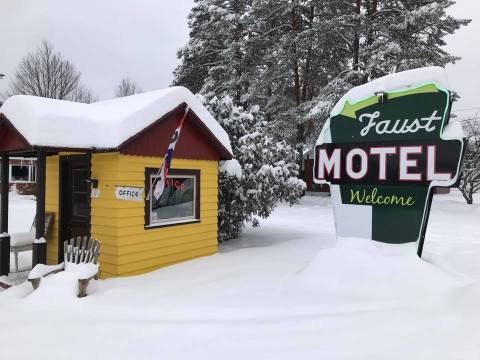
<point x="382" y="157"/>
<point x="129" y="193"/>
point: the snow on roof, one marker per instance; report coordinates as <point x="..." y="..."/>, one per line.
<point x="104" y="124"/>
<point x="397" y="81"/>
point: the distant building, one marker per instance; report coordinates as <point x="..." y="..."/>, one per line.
<point x="307" y="174"/>
<point x="23" y="174"/>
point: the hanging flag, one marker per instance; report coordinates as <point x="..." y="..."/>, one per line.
<point x="161" y="178"/>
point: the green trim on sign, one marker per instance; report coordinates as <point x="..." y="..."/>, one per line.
<point x="429" y="88"/>
<point x="349" y="109"/>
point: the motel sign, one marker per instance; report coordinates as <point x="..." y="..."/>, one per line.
<point x="383" y="156"/>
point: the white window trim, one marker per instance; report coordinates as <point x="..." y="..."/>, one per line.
<point x="30" y="175"/>
<point x="179" y="220"/>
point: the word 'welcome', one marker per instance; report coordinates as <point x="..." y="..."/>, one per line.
<point x="363" y="197"/>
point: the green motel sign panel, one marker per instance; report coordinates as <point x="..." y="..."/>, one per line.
<point x="382" y="157"/>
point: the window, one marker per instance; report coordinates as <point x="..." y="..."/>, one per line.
<point x="180" y="200"/>
<point x="19" y="173"/>
<point x="22" y="170"/>
<point x="80" y="193"/>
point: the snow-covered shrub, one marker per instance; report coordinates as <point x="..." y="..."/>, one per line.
<point x="470" y="182"/>
<point x="265" y="174"/>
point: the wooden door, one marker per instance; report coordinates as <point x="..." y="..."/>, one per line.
<point x="74" y="204"/>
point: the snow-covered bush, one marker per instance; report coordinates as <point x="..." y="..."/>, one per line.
<point x="266" y="171"/>
<point x="470" y="182"/>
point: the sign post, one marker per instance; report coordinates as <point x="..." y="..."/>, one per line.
<point x="383" y="156"/>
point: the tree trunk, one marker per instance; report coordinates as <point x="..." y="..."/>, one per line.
<point x="297" y="89"/>
<point x="356" y="40"/>
<point x="370" y="37"/>
<point x="306" y="75"/>
<point x="296" y="75"/>
<point x="466" y="192"/>
<point x="300" y="143"/>
<point x="268" y="114"/>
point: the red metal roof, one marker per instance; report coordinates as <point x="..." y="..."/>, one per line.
<point x="10" y="138"/>
<point x="195" y="142"/>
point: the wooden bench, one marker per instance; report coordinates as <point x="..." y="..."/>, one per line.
<point x="23" y="241"/>
<point x="80" y="255"/>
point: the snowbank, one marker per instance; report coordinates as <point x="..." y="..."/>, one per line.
<point x="104" y="124"/>
<point x="360" y="269"/>
<point x="41" y="270"/>
<point x="83" y="271"/>
<point x="286" y="290"/>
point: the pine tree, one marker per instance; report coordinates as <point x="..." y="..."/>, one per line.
<point x="292" y="57"/>
<point x="296" y="52"/>
<point x="274" y="53"/>
<point x="205" y="46"/>
<point x="397" y="35"/>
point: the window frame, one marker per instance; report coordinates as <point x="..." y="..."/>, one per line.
<point x="31" y="175"/>
<point x="172" y="173"/>
<point x="75" y="192"/>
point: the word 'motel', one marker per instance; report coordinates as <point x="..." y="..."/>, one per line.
<point x="408" y="169"/>
<point x="382" y="160"/>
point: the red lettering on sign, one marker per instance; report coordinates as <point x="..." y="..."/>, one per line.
<point x="177" y="184"/>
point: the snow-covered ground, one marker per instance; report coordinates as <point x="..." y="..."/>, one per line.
<point x="20" y="219"/>
<point x="288" y="290"/>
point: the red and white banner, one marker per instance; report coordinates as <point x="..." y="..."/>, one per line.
<point x="160" y="180"/>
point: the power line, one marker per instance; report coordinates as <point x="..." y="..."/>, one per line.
<point x="475" y="108"/>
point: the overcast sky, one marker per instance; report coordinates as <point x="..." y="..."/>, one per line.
<point x="106" y="39"/>
<point x="111" y="39"/>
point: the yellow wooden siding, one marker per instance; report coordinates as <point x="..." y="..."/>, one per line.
<point x="127" y="247"/>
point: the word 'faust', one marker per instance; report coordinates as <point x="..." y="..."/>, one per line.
<point x="358" y="161"/>
<point x="398" y="126"/>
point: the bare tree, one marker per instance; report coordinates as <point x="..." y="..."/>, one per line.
<point x="47" y="73"/>
<point x="83" y="95"/>
<point x="127" y="87"/>
<point x="470" y="183"/>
